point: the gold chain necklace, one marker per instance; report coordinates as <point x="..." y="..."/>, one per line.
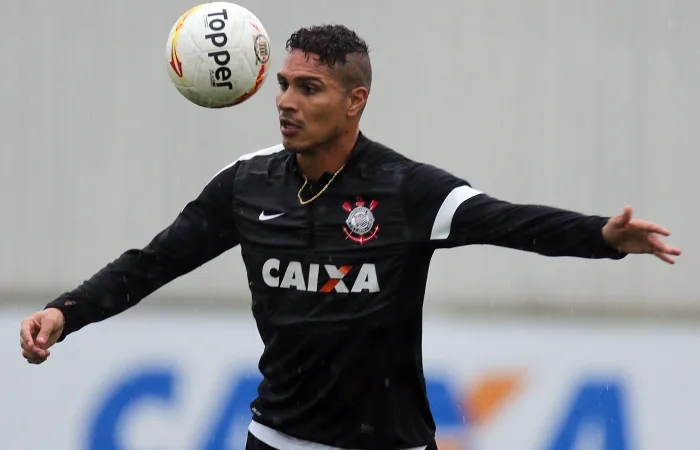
<point x="306" y="181"/>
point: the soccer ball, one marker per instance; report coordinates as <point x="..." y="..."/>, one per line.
<point x="218" y="54"/>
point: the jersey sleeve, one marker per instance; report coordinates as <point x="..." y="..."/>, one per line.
<point x="203" y="230"/>
<point x="445" y="211"/>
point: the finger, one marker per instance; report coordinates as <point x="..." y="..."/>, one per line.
<point x="33" y="358"/>
<point x="47" y="326"/>
<point x="35" y="352"/>
<point x="648" y="227"/>
<point x="25" y="332"/>
<point x="25" y="345"/>
<point x="626" y="215"/>
<point x="621" y="220"/>
<point x="659" y="246"/>
<point x="665" y="258"/>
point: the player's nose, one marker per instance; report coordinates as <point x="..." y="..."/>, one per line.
<point x="287" y="101"/>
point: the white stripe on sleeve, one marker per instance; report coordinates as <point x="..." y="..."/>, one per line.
<point x="264" y="152"/>
<point x="443" y="219"/>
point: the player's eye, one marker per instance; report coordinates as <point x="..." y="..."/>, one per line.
<point x="283" y="84"/>
<point x="308" y="89"/>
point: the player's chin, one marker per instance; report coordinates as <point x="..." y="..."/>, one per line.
<point x="295" y="143"/>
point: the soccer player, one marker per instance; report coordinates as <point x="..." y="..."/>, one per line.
<point x="336" y="232"/>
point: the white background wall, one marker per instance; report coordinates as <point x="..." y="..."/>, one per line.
<point x="585" y="105"/>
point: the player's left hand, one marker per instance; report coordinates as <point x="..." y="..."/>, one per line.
<point x="629" y="235"/>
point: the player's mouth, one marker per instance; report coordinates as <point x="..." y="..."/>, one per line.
<point x="289" y="128"/>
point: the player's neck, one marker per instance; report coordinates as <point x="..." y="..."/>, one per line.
<point x="328" y="159"/>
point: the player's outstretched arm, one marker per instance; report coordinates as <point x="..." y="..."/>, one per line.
<point x="449" y="213"/>
<point x="203" y="230"/>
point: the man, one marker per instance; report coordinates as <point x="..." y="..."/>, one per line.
<point x="336" y="232"/>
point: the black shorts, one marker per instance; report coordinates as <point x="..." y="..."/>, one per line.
<point x="254" y="443"/>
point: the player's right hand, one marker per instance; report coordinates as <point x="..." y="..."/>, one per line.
<point x="39" y="332"/>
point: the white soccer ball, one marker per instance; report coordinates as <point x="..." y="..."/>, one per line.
<point x="218" y="54"/>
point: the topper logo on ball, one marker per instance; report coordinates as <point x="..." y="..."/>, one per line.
<point x="221" y="76"/>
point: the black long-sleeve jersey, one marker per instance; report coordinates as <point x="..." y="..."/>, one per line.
<point x="337" y="284"/>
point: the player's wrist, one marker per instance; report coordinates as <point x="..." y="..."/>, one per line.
<point x="60" y="317"/>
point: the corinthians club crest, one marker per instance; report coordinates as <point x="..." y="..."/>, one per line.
<point x="359" y="225"/>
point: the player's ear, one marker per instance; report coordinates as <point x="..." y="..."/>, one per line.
<point x="357" y="99"/>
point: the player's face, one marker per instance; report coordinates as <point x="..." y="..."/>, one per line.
<point x="312" y="104"/>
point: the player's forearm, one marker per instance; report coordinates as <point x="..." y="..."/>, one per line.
<point x="202" y="231"/>
<point x="540" y="229"/>
<point x="116" y="288"/>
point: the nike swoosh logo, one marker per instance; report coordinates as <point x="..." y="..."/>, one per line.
<point x="264" y="216"/>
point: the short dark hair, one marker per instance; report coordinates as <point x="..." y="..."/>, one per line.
<point x="336" y="46"/>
